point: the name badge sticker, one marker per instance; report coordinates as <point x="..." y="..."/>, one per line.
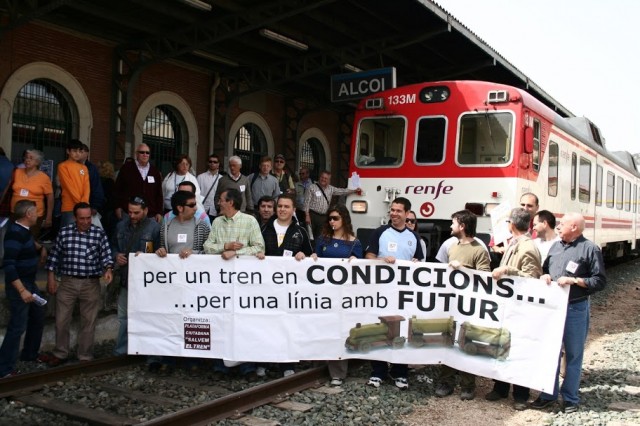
<point x="392" y="247"/>
<point x="572" y="267"/>
<point x="287" y="253"/>
<point x="241" y="188"/>
<point x="24" y="192"/>
<point x="182" y="238"/>
<point x="318" y="193"/>
<point x="151" y="179"/>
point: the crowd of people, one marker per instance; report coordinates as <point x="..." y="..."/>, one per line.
<point x="264" y="214"/>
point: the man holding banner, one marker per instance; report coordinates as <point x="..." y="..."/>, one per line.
<point x="467" y="253"/>
<point x="388" y="243"/>
<point x="521" y="259"/>
<point x="577" y="262"/>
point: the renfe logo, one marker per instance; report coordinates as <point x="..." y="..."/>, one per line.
<point x="429" y="189"/>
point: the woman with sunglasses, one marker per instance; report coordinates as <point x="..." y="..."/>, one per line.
<point x="338" y="241"/>
<point x="412" y="223"/>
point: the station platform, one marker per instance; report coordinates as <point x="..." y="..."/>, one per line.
<point x="106" y="327"/>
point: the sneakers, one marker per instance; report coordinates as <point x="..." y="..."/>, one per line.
<point x="10" y="374"/>
<point x="288" y="373"/>
<point x="443" y="390"/>
<point x="520" y="405"/>
<point x="401" y="382"/>
<point x="261" y="371"/>
<point x="494" y="395"/>
<point x="336" y="381"/>
<point x="467" y="394"/>
<point x="374" y="382"/>
<point x="569" y="407"/>
<point x="540" y="403"/>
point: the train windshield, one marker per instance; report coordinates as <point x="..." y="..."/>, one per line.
<point x="430" y="140"/>
<point x="381" y="142"/>
<point x="485" y="138"/>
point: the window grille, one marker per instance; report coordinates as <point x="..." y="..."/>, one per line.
<point x="250" y="145"/>
<point x="163" y="131"/>
<point x="44" y="118"/>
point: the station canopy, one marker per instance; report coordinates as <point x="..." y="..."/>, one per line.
<point x="291" y="47"/>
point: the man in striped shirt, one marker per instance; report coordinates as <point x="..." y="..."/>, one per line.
<point x="81" y="255"/>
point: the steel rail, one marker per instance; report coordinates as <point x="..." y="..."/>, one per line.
<point x="29" y="381"/>
<point x="245" y="400"/>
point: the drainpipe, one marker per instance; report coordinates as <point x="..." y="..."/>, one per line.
<point x="212" y="112"/>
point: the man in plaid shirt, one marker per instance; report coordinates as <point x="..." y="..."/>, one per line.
<point x="81" y="255"/>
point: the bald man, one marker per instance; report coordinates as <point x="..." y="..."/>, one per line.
<point x="577" y="262"/>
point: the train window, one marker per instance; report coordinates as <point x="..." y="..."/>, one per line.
<point x="553" y="169"/>
<point x="430" y="140"/>
<point x="485" y="139"/>
<point x="536" y="145"/>
<point x="584" y="184"/>
<point x="635" y="198"/>
<point x="627" y="195"/>
<point x="574" y="172"/>
<point x="598" y="185"/>
<point x="611" y="185"/>
<point x="619" y="192"/>
<point x="381" y="142"/>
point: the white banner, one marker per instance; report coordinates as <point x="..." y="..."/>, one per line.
<point x="279" y="309"/>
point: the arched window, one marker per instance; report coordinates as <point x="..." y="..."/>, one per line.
<point x="312" y="156"/>
<point x="44" y="118"/>
<point x="164" y="132"/>
<point x="250" y="144"/>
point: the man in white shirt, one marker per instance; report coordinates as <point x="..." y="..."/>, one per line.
<point x="208" y="182"/>
<point x="544" y="223"/>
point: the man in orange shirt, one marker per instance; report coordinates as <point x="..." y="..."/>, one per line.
<point x="74" y="181"/>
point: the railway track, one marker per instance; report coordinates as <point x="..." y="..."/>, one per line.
<point x="37" y="389"/>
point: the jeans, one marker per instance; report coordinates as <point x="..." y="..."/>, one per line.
<point x="27" y="317"/>
<point x="576" y="328"/>
<point x="244" y="368"/>
<point x="122" y="339"/>
<point x="381" y="370"/>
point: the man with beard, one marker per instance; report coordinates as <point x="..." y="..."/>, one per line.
<point x="467" y="252"/>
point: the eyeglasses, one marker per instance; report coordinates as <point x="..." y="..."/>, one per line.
<point x="192" y="205"/>
<point x="411" y="221"/>
<point x="213" y="161"/>
<point x="138" y="201"/>
<point x="334" y="218"/>
<point x="279" y="161"/>
<point x="144" y="152"/>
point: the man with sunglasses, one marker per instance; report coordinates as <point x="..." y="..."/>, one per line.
<point x="183" y="235"/>
<point x="135" y="233"/>
<point x="139" y="178"/>
<point x="285" y="182"/>
<point x="208" y="182"/>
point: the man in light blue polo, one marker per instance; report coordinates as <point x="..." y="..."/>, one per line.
<point x="388" y="243"/>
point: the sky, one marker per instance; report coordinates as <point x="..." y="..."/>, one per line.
<point x="583" y="53"/>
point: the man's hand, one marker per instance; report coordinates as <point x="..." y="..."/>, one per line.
<point x="121" y="259"/>
<point x="228" y="254"/>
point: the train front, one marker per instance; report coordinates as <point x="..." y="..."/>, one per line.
<point x="445" y="146"/>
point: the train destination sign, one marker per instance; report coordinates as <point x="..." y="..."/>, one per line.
<point x="279" y="309"/>
<point x="351" y="86"/>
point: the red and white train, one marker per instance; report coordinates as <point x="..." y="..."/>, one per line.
<point x="470" y="144"/>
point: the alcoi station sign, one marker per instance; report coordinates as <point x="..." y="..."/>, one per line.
<point x="357" y="85"/>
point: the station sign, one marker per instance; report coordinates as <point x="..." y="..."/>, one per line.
<point x="357" y="85"/>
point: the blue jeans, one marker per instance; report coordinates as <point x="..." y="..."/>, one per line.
<point x="576" y="328"/>
<point x="381" y="370"/>
<point x="27" y="317"/>
<point x="122" y="340"/>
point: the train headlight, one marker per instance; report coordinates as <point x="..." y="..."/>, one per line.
<point x="359" y="206"/>
<point x="489" y="207"/>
